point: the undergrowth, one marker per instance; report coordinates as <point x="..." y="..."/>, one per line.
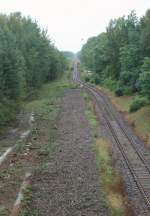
<point x="89" y="111"/>
<point x="110" y="180"/>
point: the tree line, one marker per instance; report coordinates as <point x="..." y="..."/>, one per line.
<point x="28" y="59"/>
<point x="69" y="55"/>
<point x="120" y="57"/>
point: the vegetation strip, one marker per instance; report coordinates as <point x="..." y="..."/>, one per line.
<point x="110" y="180"/>
<point x="24" y="186"/>
<point x="139" y="120"/>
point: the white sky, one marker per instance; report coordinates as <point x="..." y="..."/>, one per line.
<point x="70" y="23"/>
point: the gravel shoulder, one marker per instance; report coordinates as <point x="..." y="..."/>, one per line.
<point x="69" y="184"/>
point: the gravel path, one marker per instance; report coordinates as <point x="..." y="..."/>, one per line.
<point x="70" y="186"/>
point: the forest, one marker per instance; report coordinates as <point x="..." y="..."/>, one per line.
<point x="28" y="59"/>
<point x="119" y="58"/>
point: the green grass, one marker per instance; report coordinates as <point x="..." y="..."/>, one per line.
<point x="89" y="111"/>
<point x="47" y="103"/>
<point x="3" y="211"/>
<point x="91" y="118"/>
<point x="104" y="161"/>
<point x="110" y="180"/>
<point x="139" y="120"/>
<point x="26" y="202"/>
<point x="46" y="107"/>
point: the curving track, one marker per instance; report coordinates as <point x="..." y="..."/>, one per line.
<point x="135" y="156"/>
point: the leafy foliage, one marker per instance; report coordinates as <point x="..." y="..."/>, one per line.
<point x="137" y="103"/>
<point x="69" y="55"/>
<point x="144" y="79"/>
<point x="120" y="57"/>
<point x="27" y="60"/>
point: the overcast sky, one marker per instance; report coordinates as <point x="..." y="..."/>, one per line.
<point x="71" y="22"/>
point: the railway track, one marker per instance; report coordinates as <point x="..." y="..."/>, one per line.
<point x="130" y="149"/>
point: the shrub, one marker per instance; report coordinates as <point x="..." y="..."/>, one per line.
<point x="124" y="90"/>
<point x="144" y="83"/>
<point x="128" y="90"/>
<point x="119" y="92"/>
<point x="137" y="103"/>
<point x="110" y="84"/>
<point x="87" y="78"/>
<point x="8" y="110"/>
<point x="97" y="80"/>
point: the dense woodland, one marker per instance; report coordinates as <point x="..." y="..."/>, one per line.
<point x="27" y="60"/>
<point x="69" y="55"/>
<point x="120" y="58"/>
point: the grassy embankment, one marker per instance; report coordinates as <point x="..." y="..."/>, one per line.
<point x="114" y="197"/>
<point x="139" y="120"/>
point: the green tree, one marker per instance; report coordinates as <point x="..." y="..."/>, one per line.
<point x="144" y="79"/>
<point x="27" y="60"/>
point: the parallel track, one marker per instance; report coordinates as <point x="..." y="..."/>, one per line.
<point x="133" y="157"/>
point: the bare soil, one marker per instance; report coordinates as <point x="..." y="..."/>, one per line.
<point x="69" y="184"/>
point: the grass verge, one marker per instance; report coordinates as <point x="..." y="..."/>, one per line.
<point x="49" y="97"/>
<point x="111" y="181"/>
<point x="89" y="111"/>
<point x="139" y="120"/>
<point x="114" y="197"/>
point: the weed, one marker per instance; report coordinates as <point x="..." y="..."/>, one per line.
<point x="89" y="111"/>
<point x="3" y="211"/>
<point x="110" y="180"/>
<point x="26" y="202"/>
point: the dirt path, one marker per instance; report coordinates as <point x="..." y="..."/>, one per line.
<point x="69" y="186"/>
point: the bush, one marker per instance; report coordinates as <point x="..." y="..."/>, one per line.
<point x="119" y="92"/>
<point x="110" y="84"/>
<point x="87" y="79"/>
<point x="144" y="83"/>
<point x="128" y="90"/>
<point x="97" y="80"/>
<point x="8" y="110"/>
<point x="137" y="103"/>
<point x="124" y="90"/>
